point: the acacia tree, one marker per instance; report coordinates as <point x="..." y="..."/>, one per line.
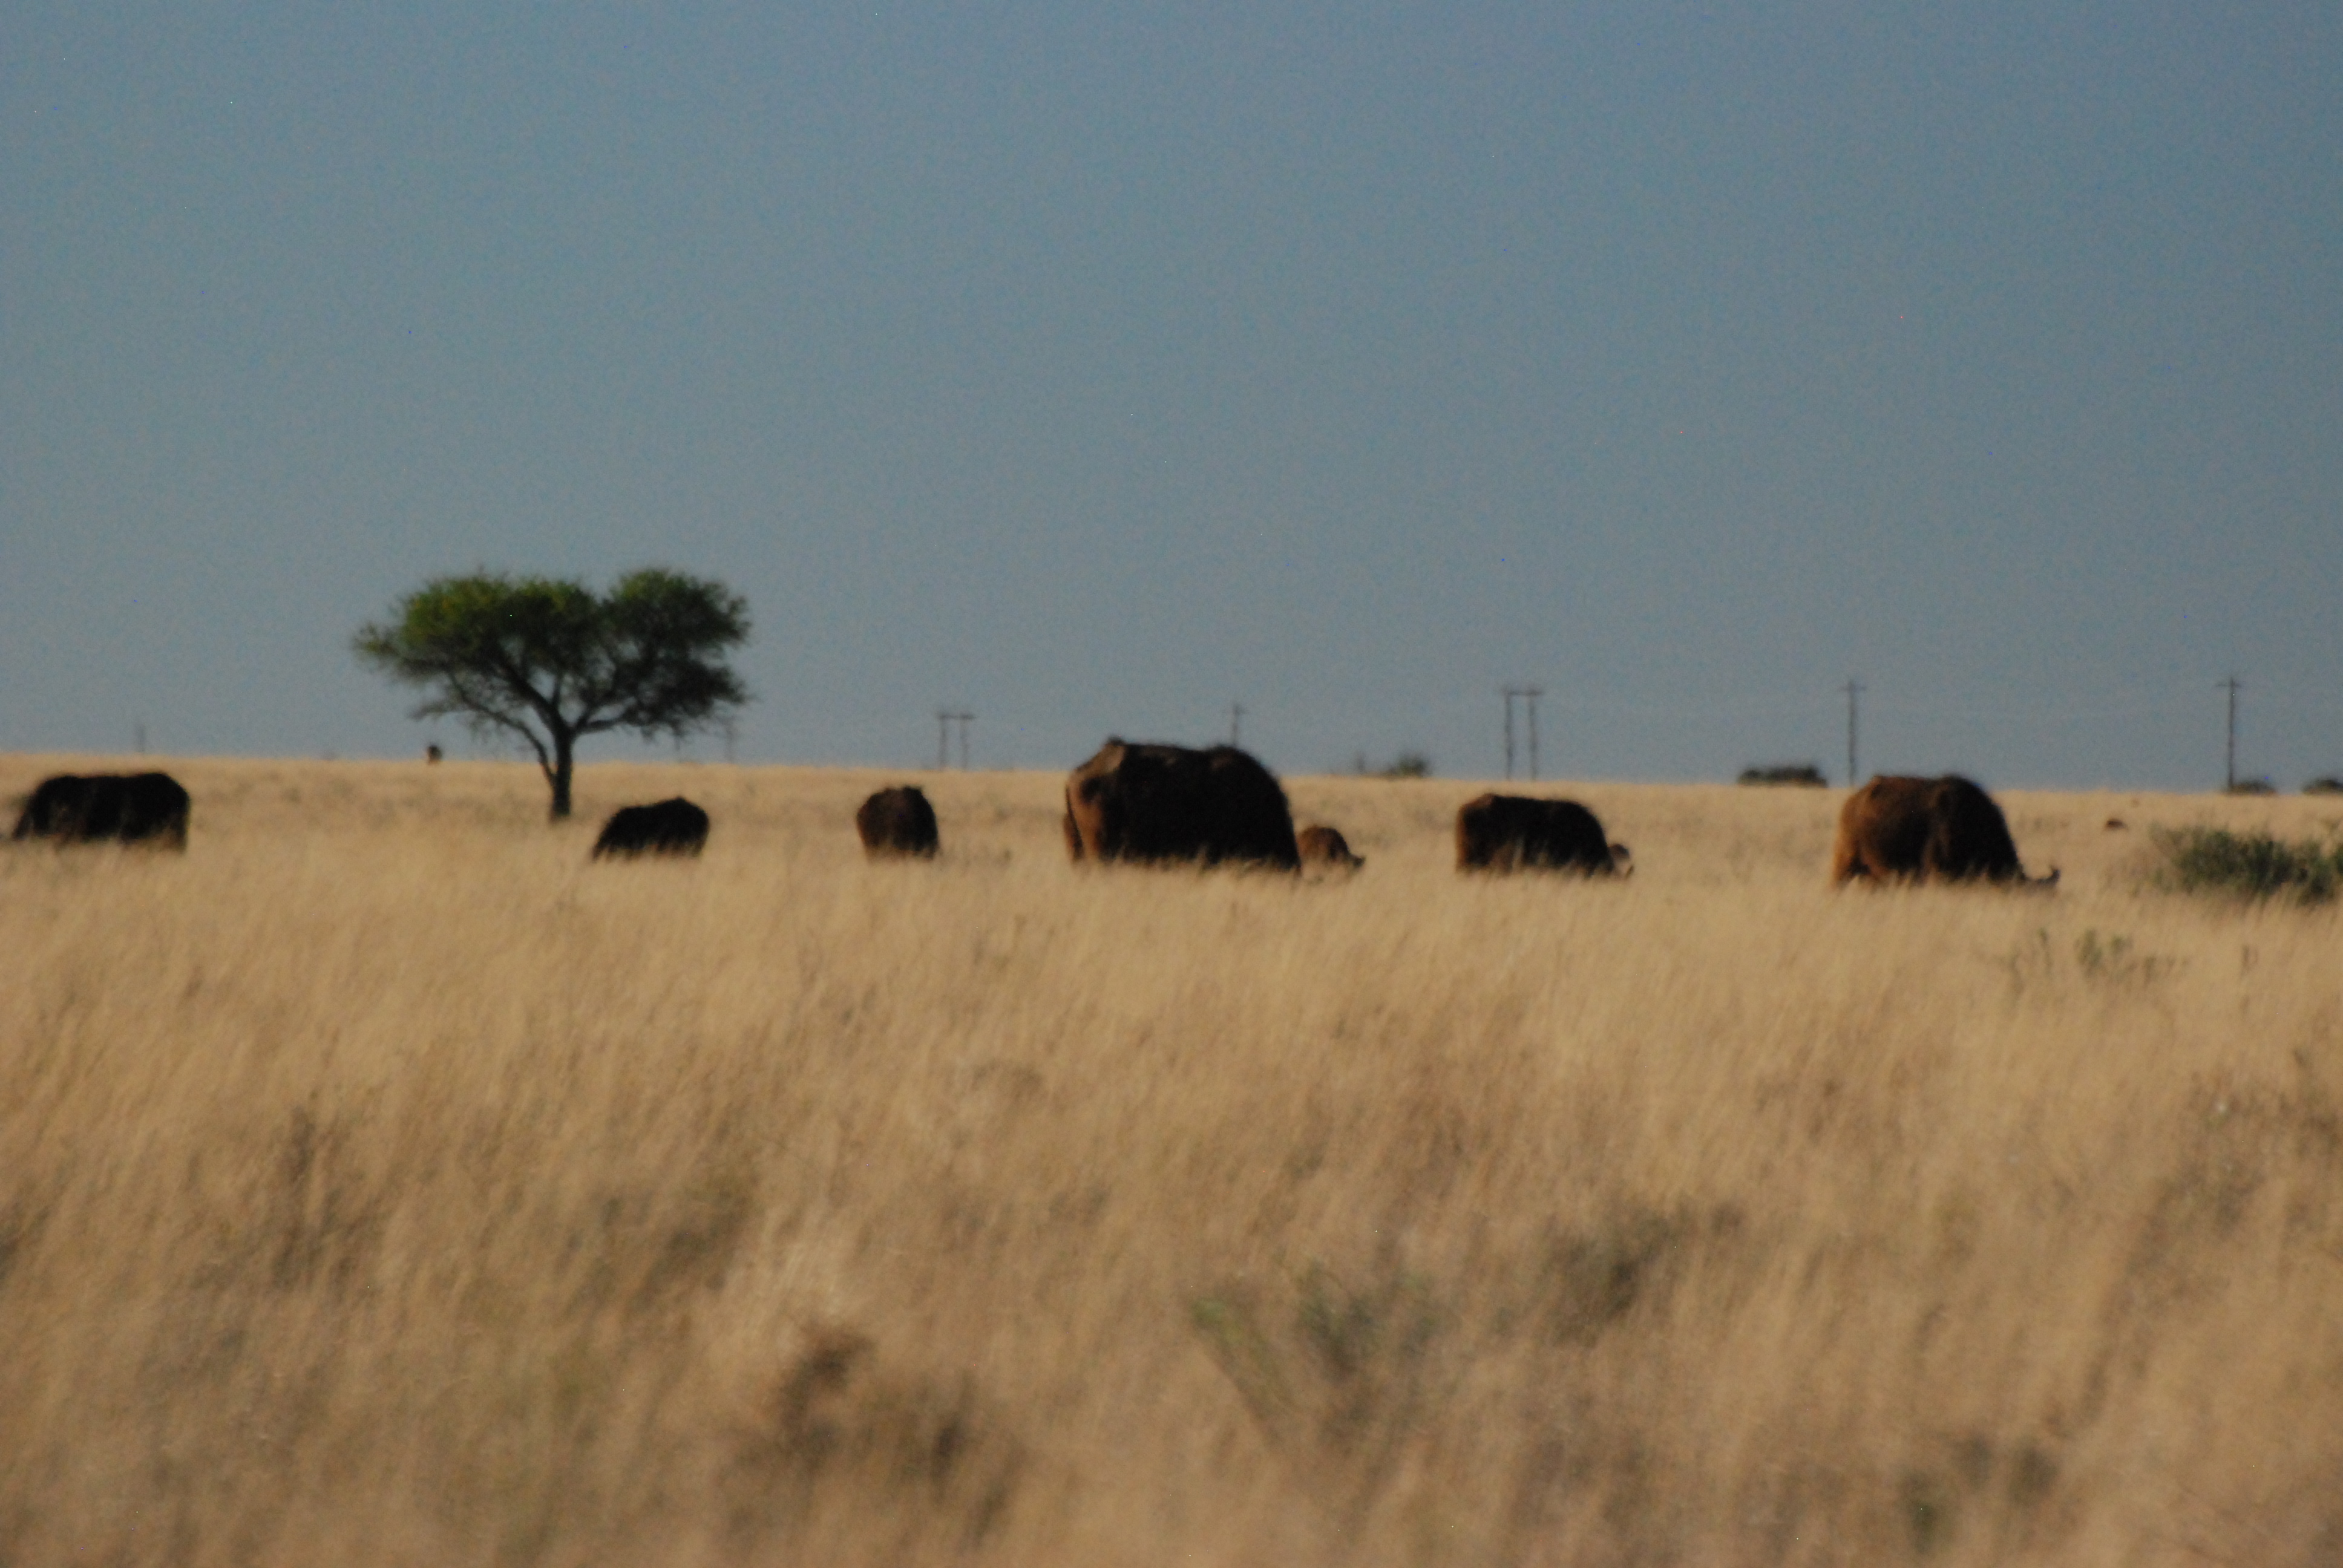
<point x="552" y="661"/>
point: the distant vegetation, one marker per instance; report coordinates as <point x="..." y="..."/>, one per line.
<point x="1808" y="775"/>
<point x="1406" y="765"/>
<point x="2248" y="865"/>
<point x="2251" y="787"/>
<point x="2327" y="785"/>
<point x="550" y="661"/>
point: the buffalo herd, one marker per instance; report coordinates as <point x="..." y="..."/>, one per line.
<point x="1151" y="804"/>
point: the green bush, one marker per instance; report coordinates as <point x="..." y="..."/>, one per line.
<point x="2248" y="865"/>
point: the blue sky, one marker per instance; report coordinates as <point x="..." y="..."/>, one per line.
<point x="1094" y="369"/>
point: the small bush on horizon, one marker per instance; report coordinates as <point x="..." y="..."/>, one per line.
<point x="1806" y="775"/>
<point x="1406" y="765"/>
<point x="2256" y="865"/>
<point x="2326" y="784"/>
<point x="2251" y="787"/>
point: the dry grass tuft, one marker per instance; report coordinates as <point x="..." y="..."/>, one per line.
<point x="380" y="1181"/>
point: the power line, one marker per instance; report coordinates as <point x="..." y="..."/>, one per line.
<point x="1854" y="688"/>
<point x="945" y="718"/>
<point x="1528" y="695"/>
<point x="2230" y="771"/>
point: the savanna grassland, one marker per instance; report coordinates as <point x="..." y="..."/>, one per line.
<point x="380" y="1181"/>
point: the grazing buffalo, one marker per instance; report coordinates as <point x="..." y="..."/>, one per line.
<point x="1152" y="803"/>
<point x="1925" y="829"/>
<point x="102" y="807"/>
<point x="674" y="826"/>
<point x="1324" y="847"/>
<point x="896" y="823"/>
<point x="1514" y="833"/>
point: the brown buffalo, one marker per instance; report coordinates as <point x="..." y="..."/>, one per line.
<point x="1152" y="803"/>
<point x="1325" y="848"/>
<point x="673" y="827"/>
<point x="898" y="824"/>
<point x="1515" y="833"/>
<point x="1925" y="829"/>
<point x="107" y="808"/>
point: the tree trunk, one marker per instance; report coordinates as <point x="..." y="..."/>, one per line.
<point x="563" y="763"/>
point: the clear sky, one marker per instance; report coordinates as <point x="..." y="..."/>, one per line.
<point x="1092" y="367"/>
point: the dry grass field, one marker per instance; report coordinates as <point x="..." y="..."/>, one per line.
<point x="380" y="1181"/>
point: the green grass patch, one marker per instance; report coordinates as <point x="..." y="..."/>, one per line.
<point x="2255" y="865"/>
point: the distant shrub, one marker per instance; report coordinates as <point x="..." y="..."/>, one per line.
<point x="2327" y="785"/>
<point x="1806" y="775"/>
<point x="2248" y="865"/>
<point x="1406" y="765"/>
<point x="2251" y="787"/>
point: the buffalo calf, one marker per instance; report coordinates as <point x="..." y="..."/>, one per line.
<point x="898" y="824"/>
<point x="674" y="827"/>
<point x="1324" y="848"/>
<point x="107" y="808"/>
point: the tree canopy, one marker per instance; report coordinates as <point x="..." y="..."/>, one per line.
<point x="552" y="661"/>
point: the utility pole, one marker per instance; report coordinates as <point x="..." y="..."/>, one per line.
<point x="138" y="736"/>
<point x="1236" y="723"/>
<point x="1529" y="693"/>
<point x="945" y="718"/>
<point x="2230" y="772"/>
<point x="1853" y="689"/>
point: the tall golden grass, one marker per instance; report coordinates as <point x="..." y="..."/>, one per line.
<point x="380" y="1181"/>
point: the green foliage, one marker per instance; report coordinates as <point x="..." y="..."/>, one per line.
<point x="2115" y="959"/>
<point x="1338" y="1379"/>
<point x="549" y="660"/>
<point x="2254" y="865"/>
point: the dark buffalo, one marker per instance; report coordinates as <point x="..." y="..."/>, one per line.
<point x="1324" y="847"/>
<point x="107" y="808"/>
<point x="1147" y="803"/>
<point x="1515" y="833"/>
<point x="674" y="826"/>
<point x="1925" y="829"/>
<point x="896" y="823"/>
